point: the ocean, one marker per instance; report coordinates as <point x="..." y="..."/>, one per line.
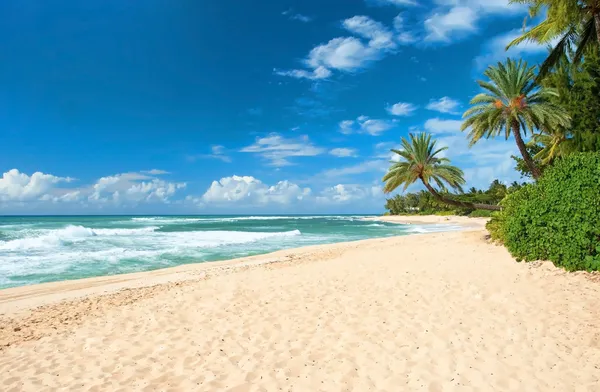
<point x="54" y="248"/>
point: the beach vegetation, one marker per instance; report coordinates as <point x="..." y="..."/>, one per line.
<point x="556" y="218"/>
<point x="513" y="104"/>
<point x="567" y="25"/>
<point x="423" y="202"/>
<point x="422" y="160"/>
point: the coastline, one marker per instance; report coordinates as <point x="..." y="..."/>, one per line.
<point x="31" y="296"/>
<point x="375" y="313"/>
<point x="465" y="221"/>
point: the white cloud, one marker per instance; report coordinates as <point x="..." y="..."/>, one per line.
<point x="346" y="193"/>
<point x="249" y="190"/>
<point x="457" y="18"/>
<point x="379" y="36"/>
<point x="343" y="54"/>
<point x="17" y="186"/>
<point x="350" y="54"/>
<point x="133" y="188"/>
<point x="443" y="25"/>
<point x="346" y="127"/>
<point x="437" y="126"/>
<point x="343" y="152"/>
<point x="155" y="172"/>
<point x="495" y="49"/>
<point x="217" y="152"/>
<point x="119" y="189"/>
<point x="403" y="37"/>
<point x="295" y="16"/>
<point x="364" y="124"/>
<point x="277" y="149"/>
<point x="316" y="74"/>
<point x="444" y="105"/>
<point x="401" y="109"/>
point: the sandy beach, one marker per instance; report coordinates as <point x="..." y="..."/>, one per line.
<point x="434" y="312"/>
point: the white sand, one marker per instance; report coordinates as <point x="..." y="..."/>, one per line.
<point x="433" y="219"/>
<point x="436" y="312"/>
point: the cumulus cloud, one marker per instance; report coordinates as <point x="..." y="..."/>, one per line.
<point x="119" y="189"/>
<point x="438" y="126"/>
<point x="133" y="188"/>
<point x="250" y="190"/>
<point x="457" y="18"/>
<point x="276" y="149"/>
<point x="364" y="124"/>
<point x="372" y="42"/>
<point x="444" y="105"/>
<point x="343" y="152"/>
<point x="443" y="25"/>
<point x="401" y="109"/>
<point x="17" y="186"/>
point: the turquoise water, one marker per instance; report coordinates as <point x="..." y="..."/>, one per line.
<point x="45" y="249"/>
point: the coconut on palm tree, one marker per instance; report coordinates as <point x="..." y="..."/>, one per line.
<point x="572" y="22"/>
<point x="513" y="103"/>
<point x="420" y="160"/>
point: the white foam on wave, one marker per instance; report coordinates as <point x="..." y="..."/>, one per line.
<point x="45" y="239"/>
<point x="146" y="237"/>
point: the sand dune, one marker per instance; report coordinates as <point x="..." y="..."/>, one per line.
<point x="436" y="312"/>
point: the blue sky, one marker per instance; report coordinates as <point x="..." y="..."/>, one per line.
<point x="224" y="106"/>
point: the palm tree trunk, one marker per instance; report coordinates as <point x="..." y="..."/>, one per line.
<point x="457" y="203"/>
<point x="597" y="23"/>
<point x="535" y="171"/>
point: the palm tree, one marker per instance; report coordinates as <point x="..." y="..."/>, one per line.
<point x="574" y="22"/>
<point x="555" y="143"/>
<point x="513" y="103"/>
<point x="420" y="160"/>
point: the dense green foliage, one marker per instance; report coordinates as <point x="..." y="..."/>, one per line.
<point x="575" y="23"/>
<point x="425" y="203"/>
<point x="513" y="103"/>
<point x="557" y="218"/>
<point x="578" y="87"/>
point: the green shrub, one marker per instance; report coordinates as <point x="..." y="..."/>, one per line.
<point x="481" y="214"/>
<point x="557" y="218"/>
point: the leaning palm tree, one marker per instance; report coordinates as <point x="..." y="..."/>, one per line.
<point x="555" y="143"/>
<point x="513" y="104"/>
<point x="574" y="23"/>
<point x="420" y="160"/>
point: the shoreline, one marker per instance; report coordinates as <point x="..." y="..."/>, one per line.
<point x="465" y="221"/>
<point x="40" y="294"/>
<point x="371" y="314"/>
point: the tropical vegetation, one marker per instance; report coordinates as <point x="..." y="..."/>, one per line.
<point x="513" y="103"/>
<point x="556" y="218"/>
<point x="552" y="112"/>
<point x="424" y="203"/>
<point x="573" y="24"/>
<point x="420" y="159"/>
